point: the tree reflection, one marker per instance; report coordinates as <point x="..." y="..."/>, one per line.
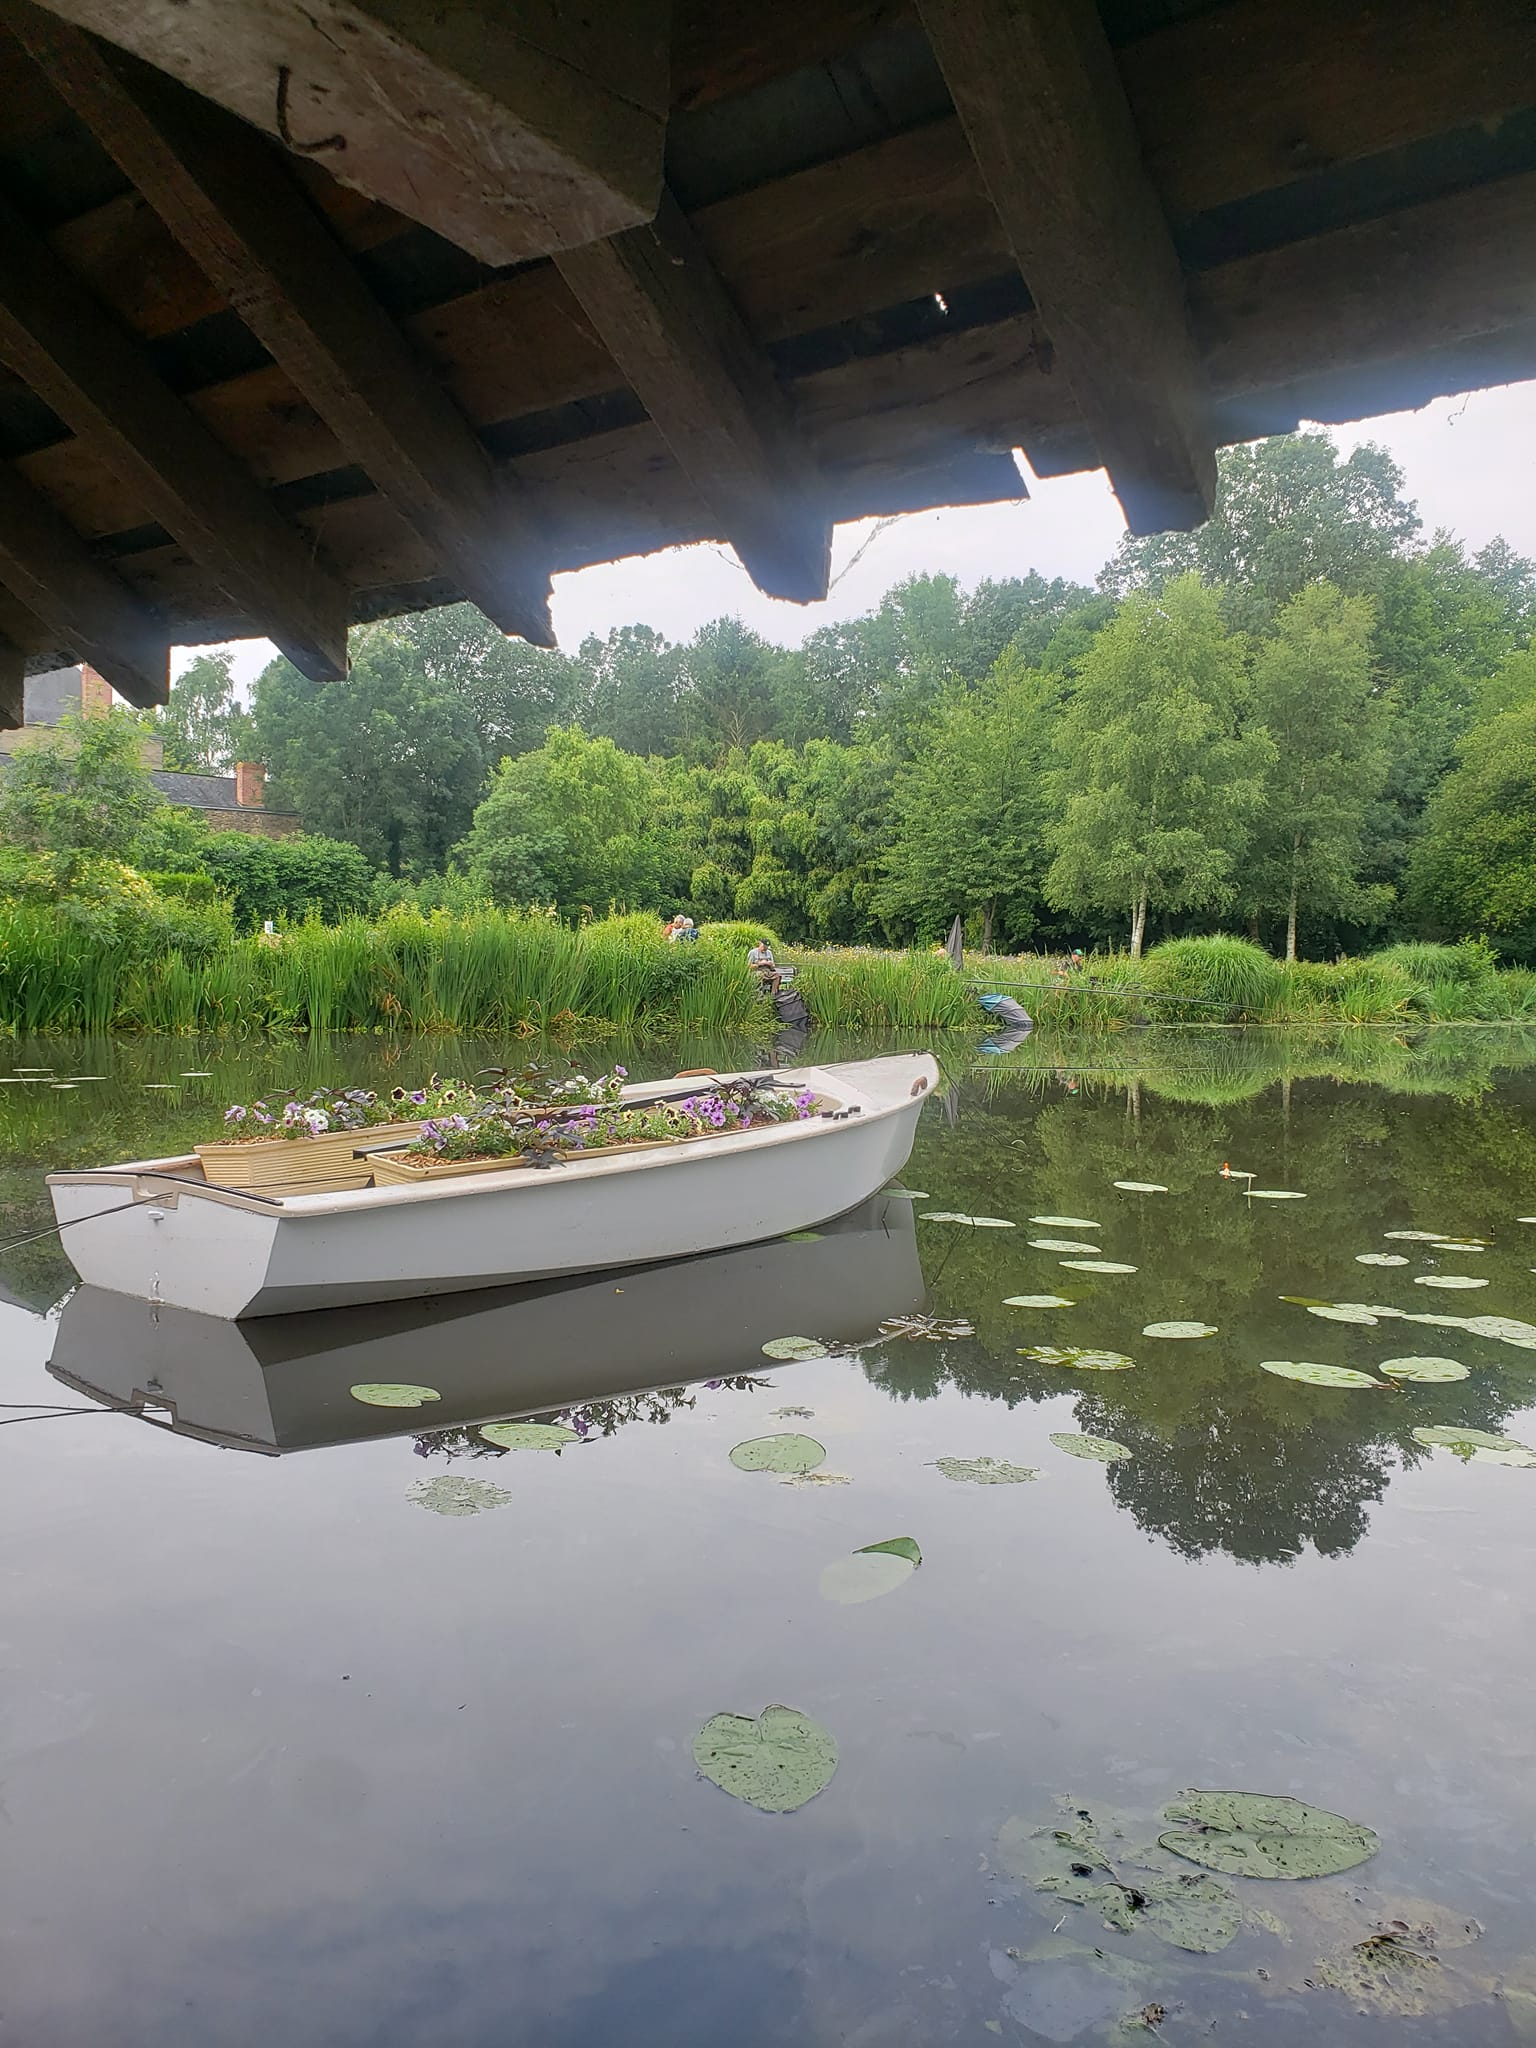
<point x="590" y="1418"/>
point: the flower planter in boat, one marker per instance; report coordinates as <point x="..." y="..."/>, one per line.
<point x="391" y="1169"/>
<point x="310" y="1166"/>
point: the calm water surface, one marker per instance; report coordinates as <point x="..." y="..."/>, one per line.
<point x="287" y="1755"/>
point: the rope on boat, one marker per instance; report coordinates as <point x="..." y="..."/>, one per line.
<point x="117" y="1209"/>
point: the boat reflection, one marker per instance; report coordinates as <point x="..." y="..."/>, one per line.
<point x="283" y="1383"/>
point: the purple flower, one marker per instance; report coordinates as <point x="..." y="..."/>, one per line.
<point x="262" y="1117"/>
<point x="235" y="1114"/>
<point x="417" y="1095"/>
<point x="621" y="1073"/>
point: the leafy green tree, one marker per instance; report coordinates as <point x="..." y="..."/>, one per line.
<point x="633" y="682"/>
<point x="79" y="792"/>
<point x="288" y="878"/>
<point x="202" y="726"/>
<point x="1474" y="870"/>
<point x="1312" y="692"/>
<point x="1158" y="786"/>
<point x="510" y="692"/>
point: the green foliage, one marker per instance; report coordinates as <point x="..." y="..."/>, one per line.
<point x="1475" y="867"/>
<point x="288" y="879"/>
<point x="203" y="727"/>
<point x="1223" y="970"/>
<point x="79" y="791"/>
<point x="565" y="824"/>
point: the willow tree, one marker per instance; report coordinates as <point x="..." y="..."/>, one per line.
<point x="1158" y="784"/>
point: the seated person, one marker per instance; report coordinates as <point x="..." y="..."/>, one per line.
<point x="681" y="927"/>
<point x="761" y="961"/>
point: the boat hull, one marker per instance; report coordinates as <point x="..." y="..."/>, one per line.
<point x="146" y="1231"/>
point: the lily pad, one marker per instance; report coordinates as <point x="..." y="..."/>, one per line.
<point x="1464" y="1442"/>
<point x="1104" y="1449"/>
<point x="1080" y="1360"/>
<point x="1097" y="1266"/>
<point x="1415" y="1236"/>
<point x="1459" y="1244"/>
<point x="1380" y="1259"/>
<point x="877" y="1569"/>
<point x="985" y="1471"/>
<point x="1392" y="1975"/>
<point x="1065" y="1223"/>
<point x="1428" y="1370"/>
<point x="777" y="1762"/>
<point x="1276" y="1195"/>
<point x="1257" y="1834"/>
<point x="392" y="1394"/>
<point x="895" y="1546"/>
<point x="794" y="1347"/>
<point x="803" y="1237"/>
<point x="1318" y="1375"/>
<point x="1343" y="1312"/>
<point x="529" y="1436"/>
<point x="1037" y="1301"/>
<point x="1179" y="1330"/>
<point x="1061" y="1244"/>
<point x="1194" y="1913"/>
<point x="974" y="1222"/>
<point x="1141" y="1187"/>
<point x="1462" y="1280"/>
<point x="451" y="1495"/>
<point x="785" y="1452"/>
<point x="906" y="1194"/>
<point x="1521" y="1457"/>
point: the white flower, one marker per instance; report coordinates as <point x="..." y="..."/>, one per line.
<point x="317" y="1120"/>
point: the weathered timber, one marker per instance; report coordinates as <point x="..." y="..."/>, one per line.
<point x="1035" y="86"/>
<point x="511" y="128"/>
<point x="683" y="347"/>
<point x="13" y="685"/>
<point x="47" y="568"/>
<point x="95" y="375"/>
<point x="228" y="198"/>
<point x="718" y="54"/>
<point x="24" y="629"/>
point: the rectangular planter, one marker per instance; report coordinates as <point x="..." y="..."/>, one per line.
<point x="393" y="1169"/>
<point x="299" y="1166"/>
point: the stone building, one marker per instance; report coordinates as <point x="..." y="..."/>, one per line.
<point x="229" y="803"/>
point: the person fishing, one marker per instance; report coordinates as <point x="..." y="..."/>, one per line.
<point x="762" y="963"/>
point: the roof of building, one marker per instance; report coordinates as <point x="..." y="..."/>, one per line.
<point x="785" y="266"/>
<point x="202" y="792"/>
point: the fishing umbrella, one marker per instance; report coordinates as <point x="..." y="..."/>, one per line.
<point x="954" y="945"/>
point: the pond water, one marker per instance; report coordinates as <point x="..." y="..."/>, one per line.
<point x="338" y="1724"/>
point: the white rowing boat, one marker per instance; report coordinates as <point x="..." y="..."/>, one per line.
<point x="158" y="1230"/>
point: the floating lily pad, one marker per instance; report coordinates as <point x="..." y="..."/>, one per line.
<point x="1179" y="1330"/>
<point x="1194" y="1913"/>
<point x="785" y="1452"/>
<point x="906" y="1194"/>
<point x="974" y="1222"/>
<point x="1275" y="1195"/>
<point x="1415" y="1236"/>
<point x="1065" y="1223"/>
<point x="985" y="1471"/>
<point x="1318" y="1375"/>
<point x="1080" y="1360"/>
<point x="1462" y="1280"/>
<point x="803" y="1237"/>
<point x="1380" y="1259"/>
<point x="393" y="1394"/>
<point x="794" y="1347"/>
<point x="451" y="1495"/>
<point x="894" y="1546"/>
<point x="1521" y="1457"/>
<point x="1343" y="1312"/>
<point x="1061" y="1244"/>
<point x="777" y="1763"/>
<point x="1459" y="1244"/>
<point x="1428" y="1370"/>
<point x="877" y="1569"/>
<point x="1103" y="1449"/>
<point x="1097" y="1266"/>
<point x="1141" y="1187"/>
<point x="1393" y="1975"/>
<point x="1257" y="1834"/>
<point x="1037" y="1301"/>
<point x="529" y="1436"/>
<point x="1464" y="1442"/>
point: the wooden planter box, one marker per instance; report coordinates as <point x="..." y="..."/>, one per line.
<point x="394" y="1168"/>
<point x="299" y="1166"/>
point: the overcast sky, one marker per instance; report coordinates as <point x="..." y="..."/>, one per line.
<point x="1467" y="462"/>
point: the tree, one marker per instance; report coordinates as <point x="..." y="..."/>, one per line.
<point x="202" y="726"/>
<point x="81" y="791"/>
<point x="633" y="681"/>
<point x="1158" y="786"/>
<point x="294" y="878"/>
<point x="1312" y="692"/>
<point x="1474" y="870"/>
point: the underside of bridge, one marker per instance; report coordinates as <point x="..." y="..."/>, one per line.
<point x="313" y="311"/>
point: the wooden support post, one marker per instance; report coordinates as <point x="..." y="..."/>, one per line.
<point x="674" y="331"/>
<point x="1036" y="89"/>
<point x="512" y="127"/>
<point x="13" y="686"/>
<point x="48" y="568"/>
<point x="230" y="199"/>
<point x="97" y="377"/>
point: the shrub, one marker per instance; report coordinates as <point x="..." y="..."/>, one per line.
<point x="1233" y="972"/>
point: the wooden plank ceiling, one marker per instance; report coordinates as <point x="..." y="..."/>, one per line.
<point x="315" y="313"/>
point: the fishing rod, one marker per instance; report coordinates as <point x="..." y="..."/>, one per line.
<point x="1098" y="988"/>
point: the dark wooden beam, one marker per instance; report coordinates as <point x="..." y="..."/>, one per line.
<point x="13" y="686"/>
<point x="512" y="127"/>
<point x="97" y="378"/>
<point x="683" y="347"/>
<point x="1035" y="86"/>
<point x="48" y="568"/>
<point x="230" y="200"/>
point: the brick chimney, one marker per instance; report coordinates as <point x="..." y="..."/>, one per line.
<point x="95" y="693"/>
<point x="250" y="786"/>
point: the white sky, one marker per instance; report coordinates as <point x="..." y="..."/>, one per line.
<point x="1465" y="460"/>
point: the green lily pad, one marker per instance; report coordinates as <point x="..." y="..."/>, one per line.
<point x="906" y="1194"/>
<point x="1459" y="1244"/>
<point x="1037" y="1301"/>
<point x="1428" y="1370"/>
<point x="985" y="1471"/>
<point x="1096" y="1266"/>
<point x="451" y="1495"/>
<point x="1521" y="1457"/>
<point x="785" y="1452"/>
<point x="777" y="1763"/>
<point x="794" y="1347"/>
<point x="1464" y="1442"/>
<point x="392" y="1394"/>
<point x="876" y="1569"/>
<point x="803" y="1237"/>
<point x="1080" y="1360"/>
<point x="1103" y="1449"/>
<point x="1141" y="1187"/>
<point x="1447" y="1280"/>
<point x="1257" y="1834"/>
<point x="1392" y="1975"/>
<point x="1380" y="1259"/>
<point x="1414" y="1236"/>
<point x="1194" y="1913"/>
<point x="1179" y="1330"/>
<point x="529" y="1436"/>
<point x="1275" y="1195"/>
<point x="1061" y="1244"/>
<point x="1343" y="1312"/>
<point x="1065" y="1223"/>
<point x="974" y="1222"/>
<point x="1318" y="1375"/>
<point x="895" y="1546"/>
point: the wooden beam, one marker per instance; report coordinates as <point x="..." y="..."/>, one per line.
<point x="13" y="686"/>
<point x="683" y="347"/>
<point x="511" y="127"/>
<point x="1035" y="86"/>
<point x="231" y="202"/>
<point x="49" y="569"/>
<point x="97" y="378"/>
